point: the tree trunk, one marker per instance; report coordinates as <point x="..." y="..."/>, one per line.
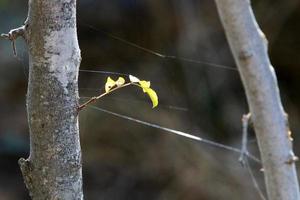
<point x="249" y="48"/>
<point x="53" y="169"/>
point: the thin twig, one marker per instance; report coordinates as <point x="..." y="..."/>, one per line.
<point x="93" y="99"/>
<point x="12" y="35"/>
<point x="254" y="181"/>
<point x="244" y="149"/>
<point x="166" y="106"/>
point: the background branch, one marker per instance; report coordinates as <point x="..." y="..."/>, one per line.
<point x="249" y="47"/>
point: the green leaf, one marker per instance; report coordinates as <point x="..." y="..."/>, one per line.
<point x="153" y="96"/>
<point x="109" y="84"/>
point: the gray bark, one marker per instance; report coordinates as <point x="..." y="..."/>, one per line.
<point x="249" y="47"/>
<point x="53" y="169"/>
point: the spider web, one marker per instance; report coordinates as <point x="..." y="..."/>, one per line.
<point x="131" y="101"/>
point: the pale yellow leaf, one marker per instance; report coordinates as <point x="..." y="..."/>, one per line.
<point x="145" y="85"/>
<point x="120" y="81"/>
<point x="109" y="84"/>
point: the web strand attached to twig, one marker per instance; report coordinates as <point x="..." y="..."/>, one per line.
<point x="244" y="150"/>
<point x="254" y="181"/>
<point x="155" y="53"/>
<point x="166" y="106"/>
<point x="103" y="72"/>
<point x="180" y="133"/>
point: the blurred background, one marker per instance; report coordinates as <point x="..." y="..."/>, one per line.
<point x="200" y="94"/>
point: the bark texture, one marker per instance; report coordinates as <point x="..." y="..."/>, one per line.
<point x="53" y="169"/>
<point x="249" y="47"/>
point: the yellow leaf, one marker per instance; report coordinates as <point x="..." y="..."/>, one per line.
<point x="120" y="81"/>
<point x="145" y="85"/>
<point x="153" y="96"/>
<point x="109" y="84"/>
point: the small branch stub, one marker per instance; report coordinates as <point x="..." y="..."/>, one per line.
<point x="26" y="169"/>
<point x="12" y="35"/>
<point x="245" y="122"/>
<point x="292" y="158"/>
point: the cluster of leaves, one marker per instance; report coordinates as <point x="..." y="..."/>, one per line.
<point x="144" y="85"/>
<point x="112" y="85"/>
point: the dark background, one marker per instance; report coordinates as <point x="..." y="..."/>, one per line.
<point x="126" y="160"/>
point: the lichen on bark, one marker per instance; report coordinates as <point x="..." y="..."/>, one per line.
<point x="53" y="169"/>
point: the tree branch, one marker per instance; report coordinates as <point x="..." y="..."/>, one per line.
<point x="249" y="47"/>
<point x="53" y="169"/>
